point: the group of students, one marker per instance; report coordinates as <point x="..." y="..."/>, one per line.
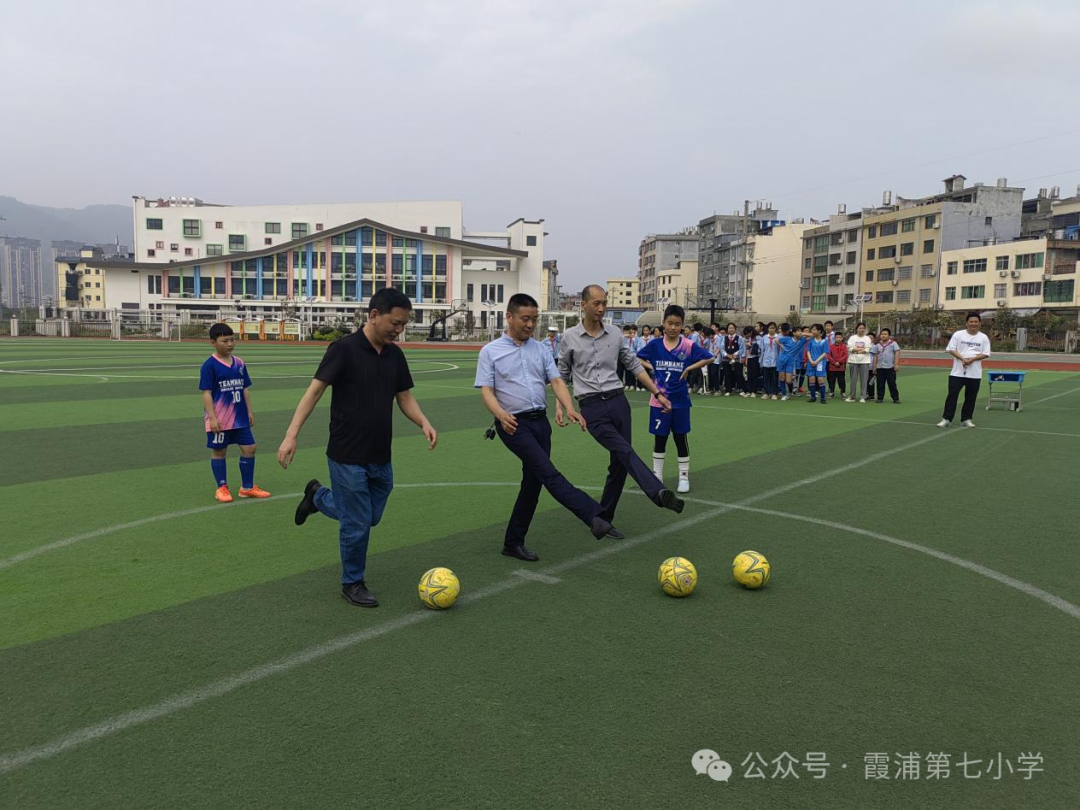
<point x="780" y="362"/>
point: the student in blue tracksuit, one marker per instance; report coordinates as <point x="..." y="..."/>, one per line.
<point x="792" y="344"/>
<point x="817" y="362"/>
<point x="770" y="353"/>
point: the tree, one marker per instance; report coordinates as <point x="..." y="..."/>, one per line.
<point x="794" y="318"/>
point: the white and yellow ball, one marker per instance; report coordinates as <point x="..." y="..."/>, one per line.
<point x="677" y="576"/>
<point x="439" y="588"/>
<point x="751" y="569"/>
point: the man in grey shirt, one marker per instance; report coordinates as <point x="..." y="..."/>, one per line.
<point x="589" y="359"/>
<point x="886" y="362"/>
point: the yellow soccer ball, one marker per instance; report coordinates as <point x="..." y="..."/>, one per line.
<point x="751" y="569"/>
<point x="439" y="588"/>
<point x="677" y="576"/>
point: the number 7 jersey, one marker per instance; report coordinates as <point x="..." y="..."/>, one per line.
<point x="226" y="384"/>
<point x="669" y="365"/>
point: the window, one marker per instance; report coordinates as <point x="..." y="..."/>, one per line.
<point x="851" y="257"/>
<point x="924" y="295"/>
<point x="821" y="263"/>
<point x="189" y="252"/>
<point x="950" y="293"/>
<point x="806" y="301"/>
<point x="904" y="273"/>
<point x="849" y="278"/>
<point x="928" y="246"/>
<point x="908" y="225"/>
<point x="1001" y="290"/>
<point x="1002" y="263"/>
<point x="871" y="232"/>
<point x="870" y="254"/>
<point x="193" y="227"/>
<point x="903" y="296"/>
<point x="299" y="230"/>
<point x="852" y="236"/>
<point x="806" y="263"/>
<point x="214" y="250"/>
<point x="160" y="245"/>
<point x="887" y="274"/>
<point x="836" y="239"/>
<point x="154" y="225"/>
<point x="153" y="285"/>
<point x="237" y="243"/>
<point x="907" y="249"/>
<point x="1026" y="261"/>
<point x="930" y="221"/>
<point x="318" y="226"/>
<point x="1059" y="292"/>
<point x="468" y="292"/>
<point x="926" y="271"/>
<point x="443" y="232"/>
<point x="988" y="221"/>
<point x="530" y="241"/>
<point x="219" y="225"/>
<point x="974" y="265"/>
<point x="272" y="227"/>
<point x="499" y="297"/>
<point x="267" y="240"/>
<point x="869" y="275"/>
<point x="888" y="228"/>
<point x="950" y="268"/>
<point x="887" y="252"/>
<point x="1028" y="288"/>
<point x="174" y="247"/>
<point x="151" y="253"/>
<point x="974" y="291"/>
<point x="821" y="244"/>
<point x="884" y="297"/>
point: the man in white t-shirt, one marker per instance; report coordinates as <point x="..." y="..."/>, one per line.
<point x="969" y="347"/>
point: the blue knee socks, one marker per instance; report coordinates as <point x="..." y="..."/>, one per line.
<point x="218" y="468"/>
<point x="247" y="471"/>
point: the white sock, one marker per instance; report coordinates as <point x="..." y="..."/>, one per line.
<point x="684" y="467"/>
<point x="658" y="464"/>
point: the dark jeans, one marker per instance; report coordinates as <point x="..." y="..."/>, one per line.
<point x="733" y="380"/>
<point x="714" y="377"/>
<point x="772" y="380"/>
<point x="531" y="443"/>
<point x="356" y="502"/>
<point x="608" y="421"/>
<point x="837" y="378"/>
<point x="970" y="387"/>
<point x="887" y="376"/>
<point x="753" y="375"/>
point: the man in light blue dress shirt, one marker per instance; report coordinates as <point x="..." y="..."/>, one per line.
<point x="513" y="373"/>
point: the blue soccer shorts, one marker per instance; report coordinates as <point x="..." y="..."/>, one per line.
<point x="815" y="371"/>
<point x="785" y="366"/>
<point x="222" y="439"/>
<point x="677" y="420"/>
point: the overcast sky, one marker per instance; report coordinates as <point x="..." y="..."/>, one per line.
<point x="608" y="119"/>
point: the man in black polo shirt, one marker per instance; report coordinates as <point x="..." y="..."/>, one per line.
<point x="368" y="373"/>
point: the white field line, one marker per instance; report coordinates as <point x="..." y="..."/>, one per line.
<point x="1054" y="396"/>
<point x="193" y="697"/>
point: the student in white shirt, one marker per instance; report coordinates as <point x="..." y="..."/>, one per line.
<point x="859" y="359"/>
<point x="969" y="347"/>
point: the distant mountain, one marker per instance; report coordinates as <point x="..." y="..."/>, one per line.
<point x="95" y="224"/>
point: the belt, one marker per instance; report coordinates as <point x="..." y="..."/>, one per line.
<point x="539" y="413"/>
<point x="602" y="396"/>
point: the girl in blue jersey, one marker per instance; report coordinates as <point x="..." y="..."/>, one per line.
<point x="672" y="359"/>
<point x="792" y="344"/>
<point x="817" y="362"/>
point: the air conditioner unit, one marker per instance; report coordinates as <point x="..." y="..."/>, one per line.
<point x="932" y="273"/>
<point x="1016" y="274"/>
<point x="896" y="259"/>
<point x="895" y="282"/>
<point x="1003" y="273"/>
<point x="1002" y="302"/>
<point x="937" y="225"/>
<point x="1046" y="276"/>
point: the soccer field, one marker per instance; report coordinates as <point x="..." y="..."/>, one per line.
<point x="161" y="650"/>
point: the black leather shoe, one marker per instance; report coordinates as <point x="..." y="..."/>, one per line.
<point x="307" y="504"/>
<point x="615" y="534"/>
<point x="521" y="553"/>
<point x="600" y="527"/>
<point x="669" y="500"/>
<point x="358" y="594"/>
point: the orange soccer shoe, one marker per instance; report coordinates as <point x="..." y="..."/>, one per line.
<point x="223" y="494"/>
<point x="254" y="492"/>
